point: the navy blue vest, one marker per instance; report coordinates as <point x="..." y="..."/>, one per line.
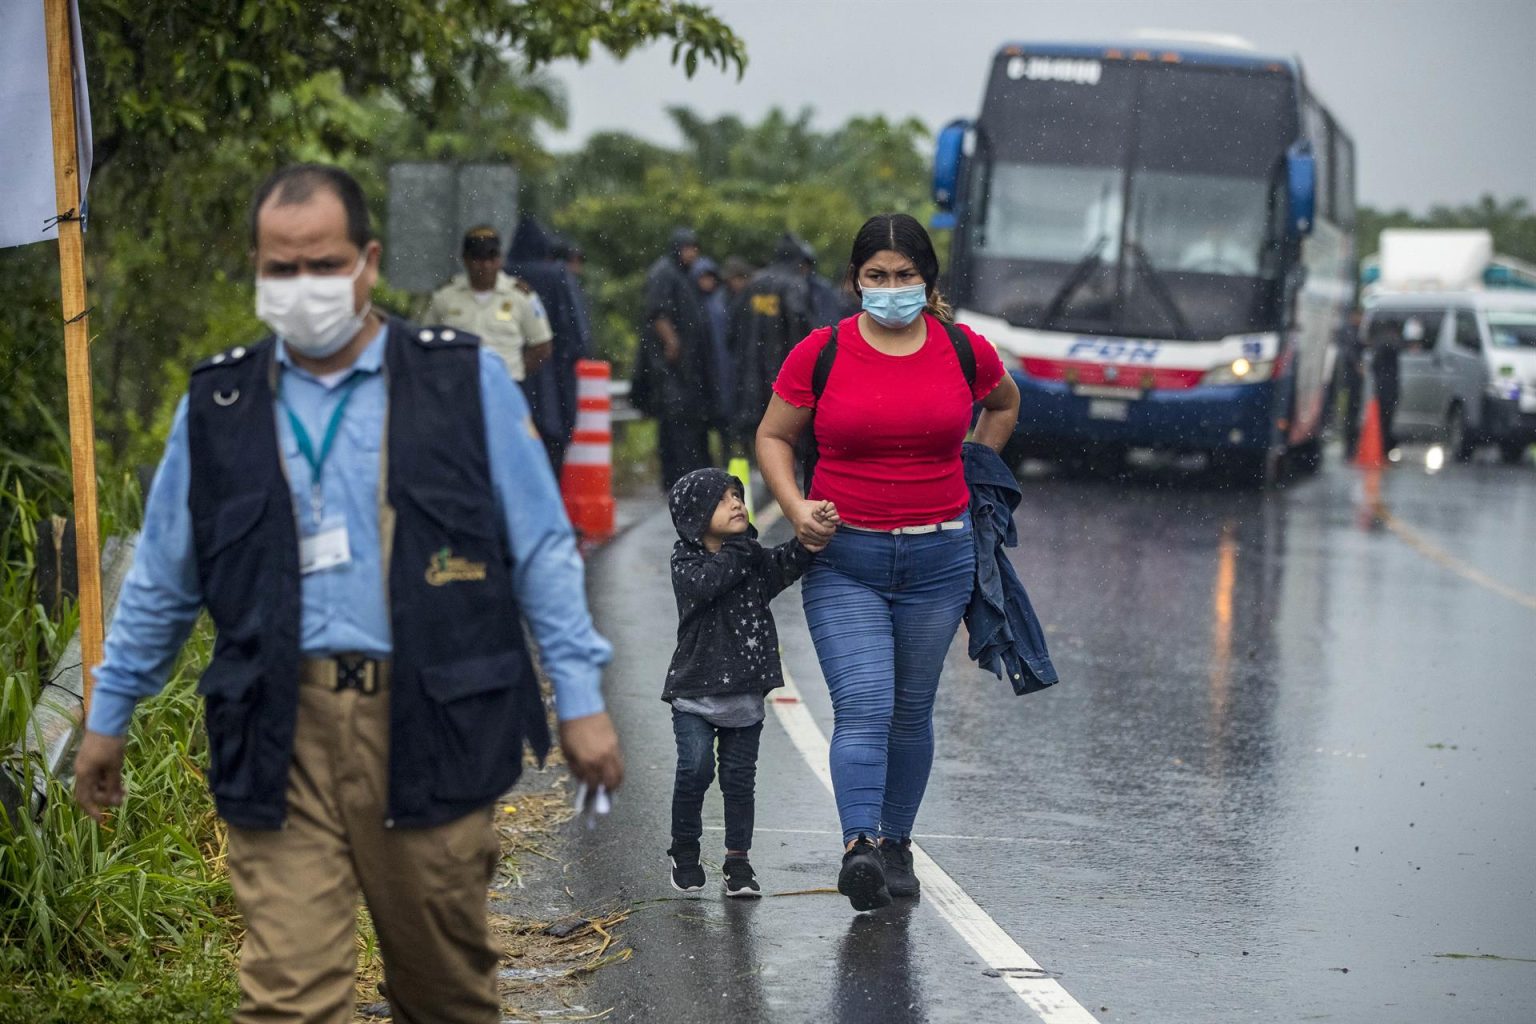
<point x="463" y="696"/>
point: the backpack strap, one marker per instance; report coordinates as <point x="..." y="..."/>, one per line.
<point x="806" y="446"/>
<point x="963" y="352"/>
<point x="824" y="360"/>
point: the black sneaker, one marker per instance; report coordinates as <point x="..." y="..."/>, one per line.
<point x="739" y="879"/>
<point x="862" y="879"/>
<point x="896" y="858"/>
<point x="687" y="874"/>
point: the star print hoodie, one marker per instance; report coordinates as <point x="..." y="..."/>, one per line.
<point x="726" y="642"/>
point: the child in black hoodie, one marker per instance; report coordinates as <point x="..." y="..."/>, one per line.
<point x="727" y="659"/>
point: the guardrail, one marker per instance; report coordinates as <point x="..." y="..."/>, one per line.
<point x="623" y="411"/>
<point x="54" y="728"/>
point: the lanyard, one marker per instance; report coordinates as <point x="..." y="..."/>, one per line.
<point x="315" y="459"/>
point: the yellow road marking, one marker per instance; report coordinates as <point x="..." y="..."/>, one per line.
<point x="1446" y="560"/>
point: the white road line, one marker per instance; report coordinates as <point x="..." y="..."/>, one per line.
<point x="1030" y="840"/>
<point x="1041" y="993"/>
<point x="768" y="517"/>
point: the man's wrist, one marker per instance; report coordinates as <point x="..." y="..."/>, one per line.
<point x="109" y="713"/>
<point x="579" y="698"/>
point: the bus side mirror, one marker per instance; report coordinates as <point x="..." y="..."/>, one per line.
<point x="948" y="164"/>
<point x="1301" y="189"/>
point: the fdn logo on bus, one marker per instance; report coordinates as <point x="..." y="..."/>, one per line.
<point x="1055" y="69"/>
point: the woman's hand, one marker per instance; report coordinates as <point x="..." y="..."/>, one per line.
<point x="815" y="523"/>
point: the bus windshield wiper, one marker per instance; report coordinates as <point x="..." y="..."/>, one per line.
<point x="1159" y="287"/>
<point x="1074" y="280"/>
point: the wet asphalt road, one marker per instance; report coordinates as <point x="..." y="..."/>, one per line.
<point x="1289" y="774"/>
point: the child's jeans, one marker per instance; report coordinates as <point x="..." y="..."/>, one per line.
<point x="696" y="740"/>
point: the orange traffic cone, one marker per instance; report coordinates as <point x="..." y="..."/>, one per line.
<point x="587" y="481"/>
<point x="1369" y="453"/>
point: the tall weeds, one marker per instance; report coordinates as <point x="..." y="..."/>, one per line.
<point x="133" y="920"/>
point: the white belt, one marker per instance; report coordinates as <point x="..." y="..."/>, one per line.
<point x="953" y="524"/>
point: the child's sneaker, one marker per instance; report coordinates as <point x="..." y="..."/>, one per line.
<point x="687" y="873"/>
<point x="739" y="879"/>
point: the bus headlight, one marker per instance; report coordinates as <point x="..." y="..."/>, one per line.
<point x="1240" y="371"/>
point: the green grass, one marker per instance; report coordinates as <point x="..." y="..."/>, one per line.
<point x="129" y="922"/>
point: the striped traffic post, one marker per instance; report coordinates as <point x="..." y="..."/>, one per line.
<point x="586" y="483"/>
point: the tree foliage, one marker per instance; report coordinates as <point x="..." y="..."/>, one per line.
<point x="1512" y="222"/>
<point x="739" y="185"/>
<point x="176" y="74"/>
<point x="193" y="103"/>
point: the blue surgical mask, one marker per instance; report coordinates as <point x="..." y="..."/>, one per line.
<point x="895" y="307"/>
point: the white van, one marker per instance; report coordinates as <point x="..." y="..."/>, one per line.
<point x="1466" y="364"/>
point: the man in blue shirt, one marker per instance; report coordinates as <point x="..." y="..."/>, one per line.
<point x="368" y="516"/>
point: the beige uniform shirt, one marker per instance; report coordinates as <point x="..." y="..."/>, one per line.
<point x="507" y="319"/>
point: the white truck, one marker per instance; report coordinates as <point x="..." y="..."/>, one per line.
<point x="1461" y="323"/>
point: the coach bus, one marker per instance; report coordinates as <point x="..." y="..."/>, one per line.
<point x="1158" y="237"/>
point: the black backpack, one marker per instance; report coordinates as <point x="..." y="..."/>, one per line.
<point x="806" y="447"/>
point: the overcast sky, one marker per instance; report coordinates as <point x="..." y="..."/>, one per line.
<point x="1440" y="96"/>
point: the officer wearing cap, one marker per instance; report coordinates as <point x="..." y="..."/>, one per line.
<point x="367" y="517"/>
<point x="504" y="313"/>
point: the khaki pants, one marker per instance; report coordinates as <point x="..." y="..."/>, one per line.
<point x="297" y="887"/>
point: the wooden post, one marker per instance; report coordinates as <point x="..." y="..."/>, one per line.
<point x="77" y="341"/>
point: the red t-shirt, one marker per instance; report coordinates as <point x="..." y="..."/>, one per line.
<point x="889" y="428"/>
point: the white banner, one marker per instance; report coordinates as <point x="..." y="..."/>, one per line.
<point x="27" y="201"/>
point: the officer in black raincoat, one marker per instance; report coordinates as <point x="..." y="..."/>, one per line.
<point x="772" y="316"/>
<point x="674" y="378"/>
<point x="551" y="390"/>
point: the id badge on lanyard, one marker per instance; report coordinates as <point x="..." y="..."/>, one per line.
<point x="326" y="547"/>
<point x="323" y="542"/>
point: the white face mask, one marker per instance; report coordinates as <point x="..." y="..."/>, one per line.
<point x="313" y="314"/>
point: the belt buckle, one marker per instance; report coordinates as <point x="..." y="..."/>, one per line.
<point x="355" y="672"/>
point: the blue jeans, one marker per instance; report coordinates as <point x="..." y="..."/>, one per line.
<point x="696" y="739"/>
<point x="883" y="610"/>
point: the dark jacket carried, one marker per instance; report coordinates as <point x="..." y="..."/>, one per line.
<point x="1006" y="637"/>
<point x="726" y="642"/>
<point x="462" y="695"/>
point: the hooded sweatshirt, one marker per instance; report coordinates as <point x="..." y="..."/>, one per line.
<point x="726" y="642"/>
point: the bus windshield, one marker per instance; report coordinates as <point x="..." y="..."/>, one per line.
<point x="1141" y="199"/>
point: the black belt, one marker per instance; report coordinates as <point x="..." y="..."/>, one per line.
<point x="345" y="672"/>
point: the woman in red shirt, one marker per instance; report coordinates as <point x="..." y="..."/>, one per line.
<point x="885" y="597"/>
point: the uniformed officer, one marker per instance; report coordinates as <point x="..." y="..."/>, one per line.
<point x="502" y="311"/>
<point x="773" y="314"/>
<point x="368" y="518"/>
